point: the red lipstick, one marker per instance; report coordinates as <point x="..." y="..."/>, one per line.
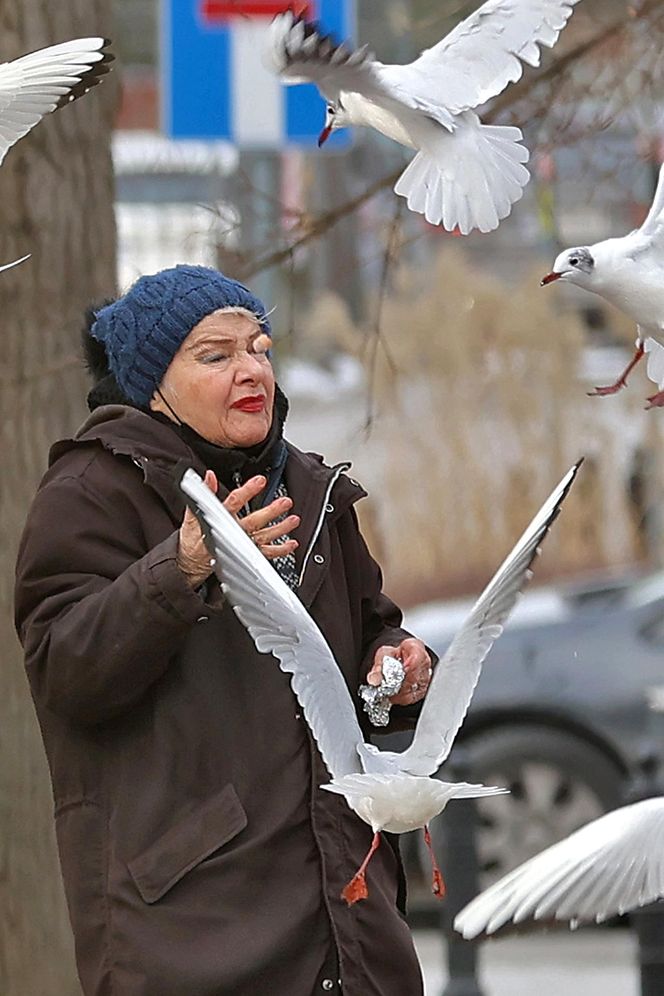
<point x="252" y="403"/>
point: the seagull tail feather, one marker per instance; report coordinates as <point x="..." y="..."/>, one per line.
<point x="468" y="179"/>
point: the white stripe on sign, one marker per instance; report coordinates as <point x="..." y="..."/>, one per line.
<point x="257" y="94"/>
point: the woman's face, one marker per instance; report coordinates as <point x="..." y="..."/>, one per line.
<point x="220" y="381"/>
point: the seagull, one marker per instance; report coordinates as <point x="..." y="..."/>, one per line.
<point x="36" y="84"/>
<point x="611" y="865"/>
<point x="627" y="272"/>
<point x="389" y="790"/>
<point x="466" y="175"/>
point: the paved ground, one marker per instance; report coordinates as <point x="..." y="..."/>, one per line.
<point x="588" y="963"/>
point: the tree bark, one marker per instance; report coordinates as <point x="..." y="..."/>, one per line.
<point x="56" y="201"/>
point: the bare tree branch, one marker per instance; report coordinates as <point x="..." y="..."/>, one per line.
<point x="317" y="226"/>
<point x="375" y="338"/>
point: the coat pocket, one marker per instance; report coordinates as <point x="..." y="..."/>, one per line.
<point x="187" y="843"/>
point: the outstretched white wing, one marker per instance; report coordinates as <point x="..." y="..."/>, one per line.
<point x="299" y="53"/>
<point x="457" y="674"/>
<point x="483" y="54"/>
<point x="653" y="221"/>
<point x="610" y="866"/>
<point x="279" y="624"/>
<point x="476" y="61"/>
<point x="42" y="81"/>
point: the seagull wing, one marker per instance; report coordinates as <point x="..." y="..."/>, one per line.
<point x="299" y="53"/>
<point x="279" y="624"/>
<point x="653" y="226"/>
<point x="8" y="266"/>
<point x="42" y="81"/>
<point x="483" y="54"/>
<point x="610" y="866"/>
<point x="457" y="674"/>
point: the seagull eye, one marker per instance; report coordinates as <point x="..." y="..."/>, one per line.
<point x="574" y="261"/>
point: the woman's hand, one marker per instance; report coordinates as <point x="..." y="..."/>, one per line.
<point x="417" y="664"/>
<point x="193" y="556"/>
<point x="256" y="524"/>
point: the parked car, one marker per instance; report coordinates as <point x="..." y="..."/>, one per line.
<point x="562" y="712"/>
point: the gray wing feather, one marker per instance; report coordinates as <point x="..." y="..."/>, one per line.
<point x="279" y="624"/>
<point x="612" y="865"/>
<point x="457" y="674"/>
<point x="299" y="53"/>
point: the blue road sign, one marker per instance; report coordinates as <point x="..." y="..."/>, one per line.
<point x="214" y="83"/>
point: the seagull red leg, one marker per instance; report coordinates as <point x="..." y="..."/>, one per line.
<point x="357" y="887"/>
<point x="655" y="400"/>
<point x="622" y="380"/>
<point x="438" y="885"/>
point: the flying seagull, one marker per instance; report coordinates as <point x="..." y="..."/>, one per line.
<point x="629" y="273"/>
<point x="611" y="865"/>
<point x="465" y="174"/>
<point x="43" y="81"/>
<point x="388" y="790"/>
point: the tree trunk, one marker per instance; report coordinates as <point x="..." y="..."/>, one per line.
<point x="56" y="201"/>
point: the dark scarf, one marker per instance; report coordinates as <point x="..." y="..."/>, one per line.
<point x="234" y="466"/>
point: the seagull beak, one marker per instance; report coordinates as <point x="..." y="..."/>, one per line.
<point x="324" y="135"/>
<point x="549" y="279"/>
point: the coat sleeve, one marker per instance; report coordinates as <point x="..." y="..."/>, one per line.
<point x="100" y="618"/>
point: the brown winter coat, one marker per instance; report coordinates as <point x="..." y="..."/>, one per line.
<point x="199" y="856"/>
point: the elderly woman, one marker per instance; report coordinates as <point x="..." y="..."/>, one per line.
<point x="198" y="853"/>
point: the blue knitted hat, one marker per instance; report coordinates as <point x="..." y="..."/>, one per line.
<point x="143" y="330"/>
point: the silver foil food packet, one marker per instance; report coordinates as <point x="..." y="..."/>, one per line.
<point x="376" y="698"/>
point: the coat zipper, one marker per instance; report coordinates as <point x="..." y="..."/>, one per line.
<point x="338" y="471"/>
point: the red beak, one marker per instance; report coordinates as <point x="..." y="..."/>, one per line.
<point x="549" y="278"/>
<point x="324" y="135"/>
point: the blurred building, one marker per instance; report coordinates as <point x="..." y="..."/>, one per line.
<point x="170" y="201"/>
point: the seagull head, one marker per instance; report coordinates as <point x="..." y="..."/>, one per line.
<point x="574" y="265"/>
<point x="335" y="117"/>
